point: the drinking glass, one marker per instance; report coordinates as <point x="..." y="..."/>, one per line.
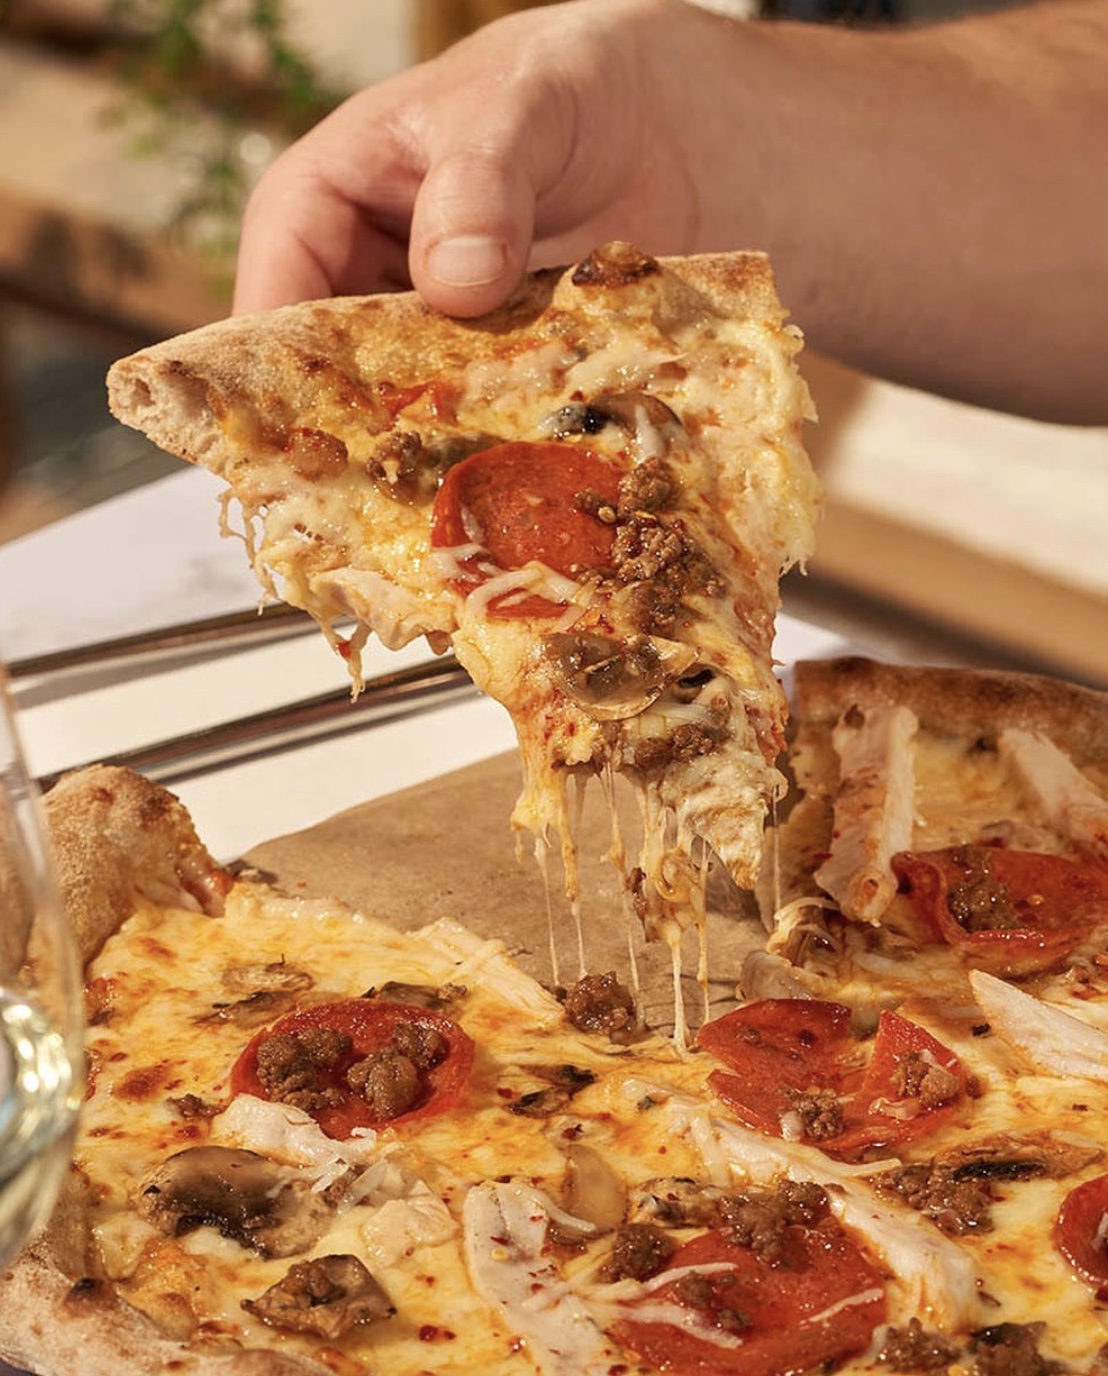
<point x="41" y="1061"/>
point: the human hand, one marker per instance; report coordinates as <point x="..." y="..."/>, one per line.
<point x="525" y="145"/>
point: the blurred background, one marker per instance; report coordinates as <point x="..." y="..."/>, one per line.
<point x="130" y="131"/>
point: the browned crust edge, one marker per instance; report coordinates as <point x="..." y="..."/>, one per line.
<point x="957" y="701"/>
<point x="117" y="838"/>
<point x="174" y="391"/>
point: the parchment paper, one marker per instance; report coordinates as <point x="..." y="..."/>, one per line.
<point x="447" y="849"/>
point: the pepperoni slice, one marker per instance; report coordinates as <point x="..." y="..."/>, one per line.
<point x="523" y="503"/>
<point x="795" y="1065"/>
<point x="318" y="1080"/>
<point x="1010" y="912"/>
<point x="819" y="1305"/>
<point x="1081" y="1232"/>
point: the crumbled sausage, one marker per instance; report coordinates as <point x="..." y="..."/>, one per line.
<point x="640" y="1250"/>
<point x="700" y="1292"/>
<point x="977" y="901"/>
<point x="1011" y="1349"/>
<point x="408" y="468"/>
<point x="599" y="1003"/>
<point x="955" y="1202"/>
<point x="760" y="1219"/>
<point x="653" y="607"/>
<point x="916" y="1348"/>
<point x="660" y="565"/>
<point x="326" y="1296"/>
<point x="315" y="454"/>
<point x="388" y="1080"/>
<point x="293" y="1066"/>
<point x="191" y="1107"/>
<point x="424" y="1046"/>
<point x="650" y="486"/>
<point x="642" y="549"/>
<point x="916" y="1077"/>
<point x="820" y="1112"/>
<point x="687" y="741"/>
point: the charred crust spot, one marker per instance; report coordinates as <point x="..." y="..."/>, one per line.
<point x="86" y="1289"/>
<point x="614" y="265"/>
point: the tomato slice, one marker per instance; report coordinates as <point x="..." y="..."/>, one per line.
<point x="527" y="502"/>
<point x="1081" y="1232"/>
<point x="782" y="1051"/>
<point x="817" y="1307"/>
<point x="370" y="1025"/>
<point x="1011" y="912"/>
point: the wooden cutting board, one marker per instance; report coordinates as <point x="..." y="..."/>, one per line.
<point x="990" y="525"/>
<point x="446" y="849"/>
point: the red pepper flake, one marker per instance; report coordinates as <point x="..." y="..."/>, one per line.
<point x="432" y="1333"/>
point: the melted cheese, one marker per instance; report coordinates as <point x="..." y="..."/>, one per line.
<point x="351" y="538"/>
<point x="452" y="1214"/>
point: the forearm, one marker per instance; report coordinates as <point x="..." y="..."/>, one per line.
<point x="935" y="201"/>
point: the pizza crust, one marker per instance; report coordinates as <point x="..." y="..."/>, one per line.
<point x="177" y="391"/>
<point x="118" y="838"/>
<point x="959" y="702"/>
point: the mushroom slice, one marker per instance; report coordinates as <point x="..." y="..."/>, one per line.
<point x="644" y="417"/>
<point x="243" y="1195"/>
<point x="677" y="1202"/>
<point x="326" y="1296"/>
<point x="263" y="1006"/>
<point x="1020" y="1156"/>
<point x="432" y="997"/>
<point x="274" y="976"/>
<point x="615" y="679"/>
<point x="592" y="1190"/>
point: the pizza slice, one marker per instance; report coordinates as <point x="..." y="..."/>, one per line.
<point x="946" y="821"/>
<point x="589" y="495"/>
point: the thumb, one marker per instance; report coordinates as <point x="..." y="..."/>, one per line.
<point x="471" y="230"/>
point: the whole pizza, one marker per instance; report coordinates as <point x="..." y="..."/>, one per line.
<point x="318" y="1142"/>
